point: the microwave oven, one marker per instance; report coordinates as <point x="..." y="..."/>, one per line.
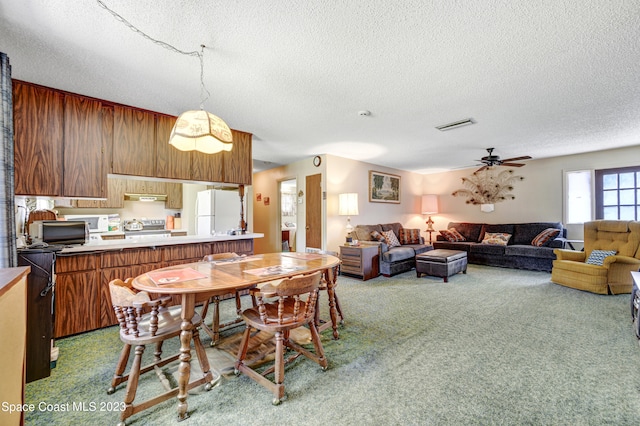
<point x="59" y="231"/>
<point x="96" y="222"/>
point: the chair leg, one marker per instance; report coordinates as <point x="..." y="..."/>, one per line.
<point x="338" y="308"/>
<point x="132" y="384"/>
<point x="278" y="375"/>
<point x="238" y="305"/>
<point x="157" y="355"/>
<point x="317" y="344"/>
<point x="215" y="325"/>
<point x="120" y="367"/>
<point x="242" y="350"/>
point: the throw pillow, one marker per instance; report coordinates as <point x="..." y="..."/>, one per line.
<point x="378" y="236"/>
<point x="409" y="236"/>
<point x="545" y="237"/>
<point x="496" y="238"/>
<point x="459" y="236"/>
<point x="392" y="240"/>
<point x="597" y="256"/>
<point x="448" y="235"/>
<point x="452" y="235"/>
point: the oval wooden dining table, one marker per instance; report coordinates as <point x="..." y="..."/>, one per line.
<point x="201" y="280"/>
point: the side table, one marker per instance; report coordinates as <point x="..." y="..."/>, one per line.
<point x="362" y="260"/>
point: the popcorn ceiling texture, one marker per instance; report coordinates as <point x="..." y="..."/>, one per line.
<point x="540" y="78"/>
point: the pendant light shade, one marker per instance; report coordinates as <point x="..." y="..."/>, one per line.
<point x="201" y="131"/>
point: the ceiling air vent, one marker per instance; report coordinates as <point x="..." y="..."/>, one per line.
<point x="455" y="124"/>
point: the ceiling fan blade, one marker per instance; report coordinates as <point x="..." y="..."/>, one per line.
<point x="512" y="164"/>
<point x="525" y="157"/>
<point x="481" y="169"/>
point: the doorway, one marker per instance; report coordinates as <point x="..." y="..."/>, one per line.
<point x="288" y="213"/>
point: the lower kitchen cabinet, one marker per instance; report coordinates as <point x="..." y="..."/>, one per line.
<point x="76" y="308"/>
<point x="82" y="298"/>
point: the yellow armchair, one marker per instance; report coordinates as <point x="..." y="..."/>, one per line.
<point x="614" y="275"/>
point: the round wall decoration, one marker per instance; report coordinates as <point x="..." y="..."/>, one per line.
<point x="317" y="160"/>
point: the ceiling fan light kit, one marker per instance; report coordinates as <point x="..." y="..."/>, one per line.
<point x="485" y="188"/>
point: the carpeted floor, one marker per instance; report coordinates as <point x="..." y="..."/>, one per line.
<point x="495" y="346"/>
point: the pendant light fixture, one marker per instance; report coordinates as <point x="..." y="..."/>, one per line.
<point x="194" y="130"/>
<point x="200" y="130"/>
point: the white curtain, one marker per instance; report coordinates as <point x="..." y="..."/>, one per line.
<point x="8" y="254"/>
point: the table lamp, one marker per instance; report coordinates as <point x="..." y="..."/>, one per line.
<point x="429" y="207"/>
<point x="348" y="206"/>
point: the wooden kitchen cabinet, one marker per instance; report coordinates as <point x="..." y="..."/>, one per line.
<point x="38" y="117"/>
<point x="136" y="186"/>
<point x="123" y="264"/>
<point x="115" y="196"/>
<point x="60" y="143"/>
<point x="207" y="167"/>
<point x="174" y="195"/>
<point x="238" y="163"/>
<point x="76" y="294"/>
<point x="134" y="142"/>
<point x="171" y="163"/>
<point x="84" y="173"/>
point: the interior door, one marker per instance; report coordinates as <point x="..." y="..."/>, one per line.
<point x="313" y="212"/>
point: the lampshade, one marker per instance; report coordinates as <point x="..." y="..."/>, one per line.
<point x="348" y="204"/>
<point x="429" y="204"/>
<point x="201" y="131"/>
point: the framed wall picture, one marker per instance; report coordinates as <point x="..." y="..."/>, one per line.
<point x="384" y="187"/>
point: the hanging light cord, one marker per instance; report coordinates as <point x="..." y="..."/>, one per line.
<point x="167" y="46"/>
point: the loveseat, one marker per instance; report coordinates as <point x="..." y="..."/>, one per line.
<point x="518" y="250"/>
<point x="396" y="259"/>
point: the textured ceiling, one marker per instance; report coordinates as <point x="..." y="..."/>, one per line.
<point x="540" y="78"/>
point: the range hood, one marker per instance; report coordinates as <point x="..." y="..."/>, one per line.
<point x="145" y="197"/>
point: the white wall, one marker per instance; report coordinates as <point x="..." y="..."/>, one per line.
<point x="345" y="175"/>
<point x="539" y="197"/>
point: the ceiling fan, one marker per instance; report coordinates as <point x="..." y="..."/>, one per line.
<point x="494" y="160"/>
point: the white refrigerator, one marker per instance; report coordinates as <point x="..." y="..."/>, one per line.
<point x="217" y="211"/>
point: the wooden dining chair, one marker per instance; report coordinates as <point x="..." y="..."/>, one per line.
<point x="293" y="306"/>
<point x="329" y="274"/>
<point x="216" y="327"/>
<point x="138" y="329"/>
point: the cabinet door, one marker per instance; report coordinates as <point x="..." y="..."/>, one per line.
<point x="38" y="132"/>
<point x="174" y="195"/>
<point x="133" y="142"/>
<point x="170" y="162"/>
<point x="206" y="167"/>
<point x="77" y="303"/>
<point x="238" y="165"/>
<point x="84" y="152"/>
<point x="115" y="196"/>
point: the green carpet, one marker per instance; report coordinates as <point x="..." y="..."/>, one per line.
<point x="495" y="346"/>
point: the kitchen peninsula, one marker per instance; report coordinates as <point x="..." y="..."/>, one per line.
<point x="83" y="272"/>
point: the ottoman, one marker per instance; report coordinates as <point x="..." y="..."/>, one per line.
<point x="441" y="263"/>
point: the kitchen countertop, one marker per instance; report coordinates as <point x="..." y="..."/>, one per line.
<point x="103" y="245"/>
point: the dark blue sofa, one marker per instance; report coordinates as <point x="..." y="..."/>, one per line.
<point x="518" y="253"/>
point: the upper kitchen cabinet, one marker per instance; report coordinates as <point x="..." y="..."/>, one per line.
<point x="84" y="173"/>
<point x="115" y="196"/>
<point x="234" y="166"/>
<point x="207" y="167"/>
<point x="170" y="162"/>
<point x="134" y="142"/>
<point x="238" y="165"/>
<point x="38" y="114"/>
